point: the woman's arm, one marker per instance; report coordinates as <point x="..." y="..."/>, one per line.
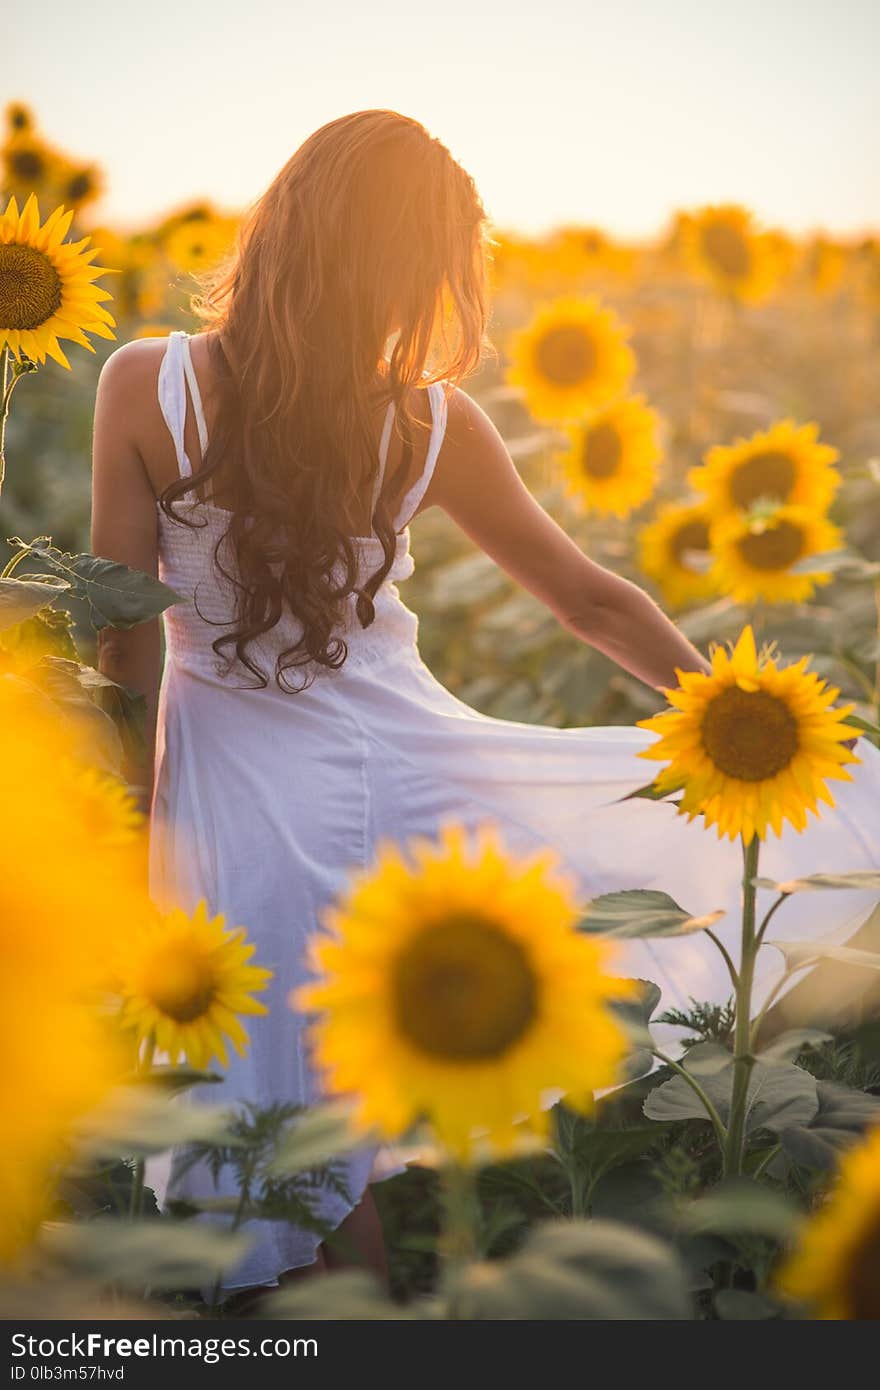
<point x="476" y="482"/>
<point x="124" y="528"/>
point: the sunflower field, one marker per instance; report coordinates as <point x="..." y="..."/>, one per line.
<point x="700" y="413"/>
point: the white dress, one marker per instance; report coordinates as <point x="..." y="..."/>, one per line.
<point x="265" y="801"/>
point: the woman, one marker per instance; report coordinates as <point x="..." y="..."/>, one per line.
<point x="268" y="469"/>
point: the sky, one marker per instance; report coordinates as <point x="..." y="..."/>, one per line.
<point x="609" y="114"/>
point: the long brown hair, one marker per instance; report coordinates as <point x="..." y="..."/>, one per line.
<point x="370" y="226"/>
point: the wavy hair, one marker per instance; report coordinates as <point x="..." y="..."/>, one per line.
<point x="370" y="229"/>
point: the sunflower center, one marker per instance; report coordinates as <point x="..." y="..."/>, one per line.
<point x="463" y="990"/>
<point x="602" y="451"/>
<point x="566" y="355"/>
<point x="749" y="734"/>
<point x="769" y="474"/>
<point x="30" y="288"/>
<point x="80" y="185"/>
<point x="727" y="248"/>
<point x="27" y="165"/>
<point x="693" y="535"/>
<point x="864" y="1276"/>
<point x="773" y="549"/>
<point x="181" y="987"/>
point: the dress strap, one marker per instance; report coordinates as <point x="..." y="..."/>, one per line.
<point x="175" y="371"/>
<point x="439" y="412"/>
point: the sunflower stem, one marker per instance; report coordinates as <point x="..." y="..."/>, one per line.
<point x="743" y="1058"/>
<point x="4" y="411"/>
<point x="6" y="389"/>
<point x="459" y="1239"/>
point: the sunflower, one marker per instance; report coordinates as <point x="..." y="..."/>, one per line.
<point x="46" y="289"/>
<point x="723" y="245"/>
<point x="104" y="806"/>
<point x="60" y="913"/>
<point x="572" y="358"/>
<point x="455" y="987"/>
<point x="183" y="981"/>
<point x="752" y="744"/>
<point x="198" y="244"/>
<point x="667" y="547"/>
<point x="757" y="553"/>
<point x="611" y="466"/>
<point x="80" y="185"/>
<point x="835" y="1264"/>
<point x="19" y="117"/>
<point x="579" y="252"/>
<point x="30" y="165"/>
<point x="823" y="265"/>
<point x="783" y="464"/>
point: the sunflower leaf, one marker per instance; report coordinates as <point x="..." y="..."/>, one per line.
<point x="858" y="879"/>
<point x="642" y="912"/>
<point x="312" y="1139"/>
<point x="117" y="595"/>
<point x="649" y="792"/>
<point x="134" y="1254"/>
<point x="843" y="1115"/>
<point x="20" y="599"/>
<point x="802" y="953"/>
<point x="567" y="1269"/>
<point x="778" y="1096"/>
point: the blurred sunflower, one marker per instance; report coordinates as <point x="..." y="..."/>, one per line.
<point x="671" y="548"/>
<point x="783" y="464"/>
<point x="184" y="979"/>
<point x="60" y="914"/>
<point x="752" y="744"/>
<point x="823" y="264"/>
<point x="572" y="358"/>
<point x="79" y="184"/>
<point x="456" y="988"/>
<point x="198" y="244"/>
<point x="757" y="554"/>
<point x="46" y="289"/>
<point x="30" y="165"/>
<point x="611" y="466"/>
<point x="104" y="806"/>
<point x="834" y="1267"/>
<point x="582" y="252"/>
<point x="723" y="245"/>
<point x="19" y="117"/>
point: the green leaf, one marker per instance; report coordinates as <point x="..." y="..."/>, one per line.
<point x="20" y="599"/>
<point x="314" y="1138"/>
<point x="141" y="1120"/>
<point x="351" y="1294"/>
<point x="117" y="595"/>
<point x="778" y="1096"/>
<point x="744" y="1305"/>
<point x="867" y="726"/>
<point x="845" y="563"/>
<point x="788" y="1045"/>
<point x="741" y="1208"/>
<point x="64" y="683"/>
<point x="635" y="1015"/>
<point x="641" y="912"/>
<point x="158" y="1254"/>
<point x="649" y="792"/>
<point x="592" y="1270"/>
<point x="802" y="953"/>
<point x="859" y="879"/>
<point x="176" y="1079"/>
<point x="842" y="1116"/>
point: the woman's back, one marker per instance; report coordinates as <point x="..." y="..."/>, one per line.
<point x="189" y="554"/>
